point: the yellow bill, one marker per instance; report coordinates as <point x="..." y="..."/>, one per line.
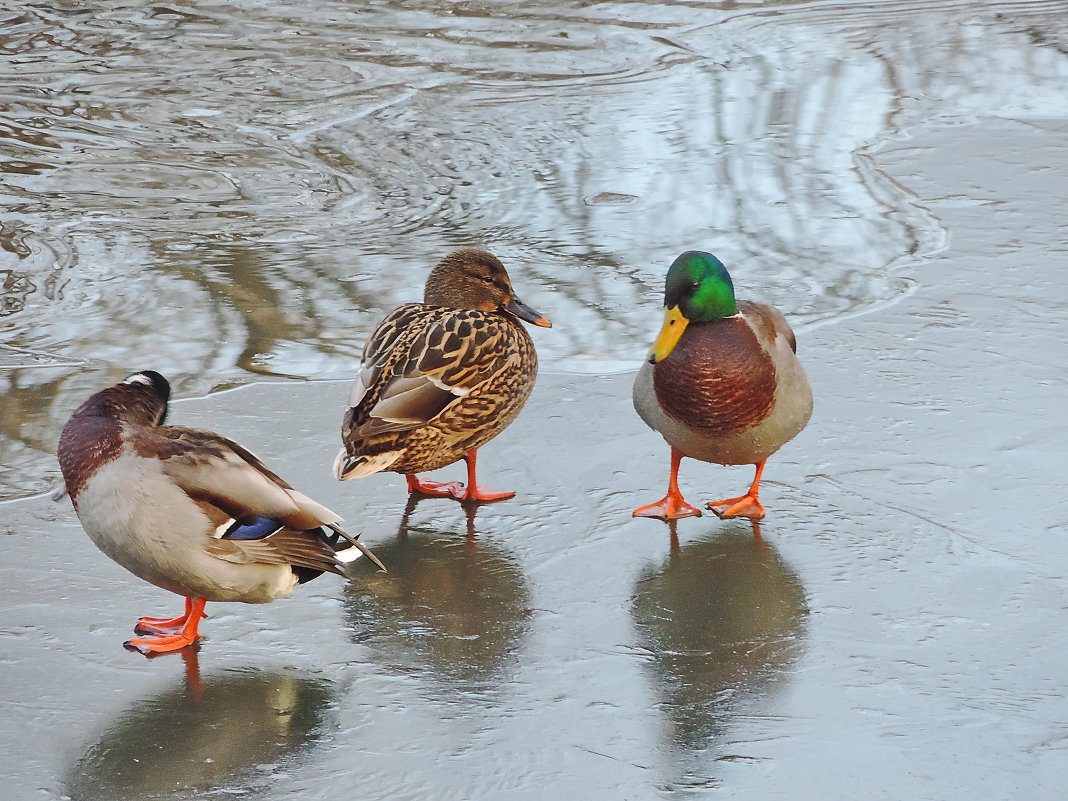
<point x="674" y="324"/>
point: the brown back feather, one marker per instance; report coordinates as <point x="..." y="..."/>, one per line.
<point x="768" y="321"/>
<point x="457" y="347"/>
<point x="285" y="547"/>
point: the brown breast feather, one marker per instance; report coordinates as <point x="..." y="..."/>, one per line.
<point x="717" y="380"/>
<point x="87" y="443"/>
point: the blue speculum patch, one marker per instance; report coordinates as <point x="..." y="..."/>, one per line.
<point x="252" y="528"/>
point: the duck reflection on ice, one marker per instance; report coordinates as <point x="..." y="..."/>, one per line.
<point x="449" y="605"/>
<point x="223" y="733"/>
<point x="722" y="621"/>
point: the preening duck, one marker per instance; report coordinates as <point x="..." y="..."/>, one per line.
<point x="189" y="510"/>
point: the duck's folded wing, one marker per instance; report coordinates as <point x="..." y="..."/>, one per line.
<point x="213" y="469"/>
<point x="454" y="351"/>
<point x="284" y="547"/>
<point x="387" y="344"/>
<point x="769" y="321"/>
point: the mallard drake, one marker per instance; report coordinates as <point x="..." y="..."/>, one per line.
<point x="722" y="383"/>
<point x="189" y="510"/>
<point x="441" y="378"/>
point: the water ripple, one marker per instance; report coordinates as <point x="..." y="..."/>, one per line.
<point x="229" y="193"/>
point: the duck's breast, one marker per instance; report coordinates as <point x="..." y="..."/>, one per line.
<point x="137" y="516"/>
<point x="731" y="392"/>
<point x="718" y="380"/>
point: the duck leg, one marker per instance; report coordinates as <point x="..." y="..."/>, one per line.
<point x="672" y="506"/>
<point x="747" y="505"/>
<point x="163" y="643"/>
<point x="164" y="625"/>
<point x="455" y="489"/>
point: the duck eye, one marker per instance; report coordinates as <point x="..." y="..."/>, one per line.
<point x="695" y="285"/>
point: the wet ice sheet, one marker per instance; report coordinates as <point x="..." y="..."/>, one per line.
<point x="893" y="636"/>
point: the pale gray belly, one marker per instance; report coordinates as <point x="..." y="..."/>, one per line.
<point x="145" y="523"/>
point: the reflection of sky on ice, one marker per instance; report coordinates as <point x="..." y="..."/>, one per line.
<point x="220" y="213"/>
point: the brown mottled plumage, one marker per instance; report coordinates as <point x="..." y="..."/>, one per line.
<point x="441" y="378"/>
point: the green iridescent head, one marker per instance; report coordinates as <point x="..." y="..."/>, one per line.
<point x="700" y="286"/>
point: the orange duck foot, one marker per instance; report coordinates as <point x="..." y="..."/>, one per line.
<point x="160" y="625"/>
<point x="161" y="644"/>
<point x="455" y="489"/>
<point x="164" y="625"/>
<point x="745" y="506"/>
<point x="670" y="507"/>
<point x="482" y="495"/>
<point x="170" y="634"/>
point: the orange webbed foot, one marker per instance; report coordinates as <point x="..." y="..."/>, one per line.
<point x="744" y="506"/>
<point x="670" y="507"/>
<point x="168" y="634"/>
<point x="164" y="625"/>
<point x="455" y="489"/>
<point x="482" y="495"/>
<point x="161" y="644"/>
<point x="159" y="625"/>
<point x="435" y="489"/>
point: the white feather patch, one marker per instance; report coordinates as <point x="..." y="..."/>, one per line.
<point x="350" y="554"/>
<point x="369" y="465"/>
<point x="138" y="379"/>
<point x="458" y="391"/>
<point x="222" y="528"/>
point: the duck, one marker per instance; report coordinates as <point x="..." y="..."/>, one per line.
<point x="189" y="510"/>
<point x="441" y="378"/>
<point x="722" y="383"/>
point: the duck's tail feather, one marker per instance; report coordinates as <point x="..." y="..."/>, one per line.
<point x="348" y="466"/>
<point x="346" y="555"/>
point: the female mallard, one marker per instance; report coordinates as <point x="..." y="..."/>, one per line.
<point x="723" y="383"/>
<point x="441" y="378"/>
<point x="188" y="510"/>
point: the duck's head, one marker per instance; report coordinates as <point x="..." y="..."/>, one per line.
<point x="140" y="399"/>
<point x="698" y="289"/>
<point x="94" y="434"/>
<point x="475" y="279"/>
